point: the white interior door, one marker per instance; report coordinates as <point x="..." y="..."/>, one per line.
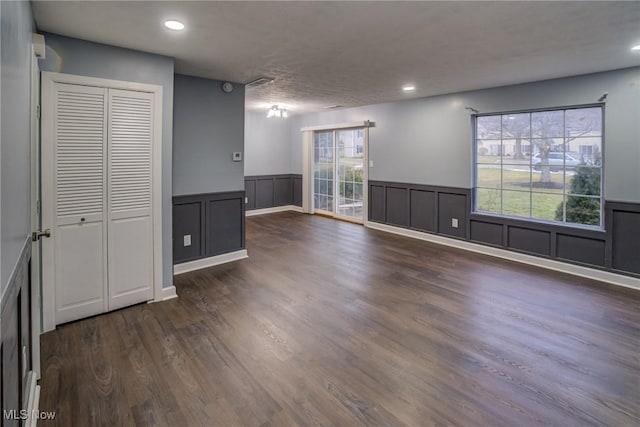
<point x="74" y="201"/>
<point x="130" y="225"/>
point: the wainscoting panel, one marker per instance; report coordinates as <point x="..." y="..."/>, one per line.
<point x="486" y="232"/>
<point x="581" y="249"/>
<point x="527" y="240"/>
<point x="269" y="191"/>
<point x="377" y="203"/>
<point x="625" y="243"/>
<point x="250" y="194"/>
<point x="283" y="191"/>
<point x="423" y="210"/>
<point x="215" y="222"/>
<point x="431" y="208"/>
<point x="452" y="207"/>
<point x="297" y="190"/>
<point x="187" y="221"/>
<point x="264" y="193"/>
<point x="15" y="314"/>
<point x="397" y="206"/>
<point x="225" y="226"/>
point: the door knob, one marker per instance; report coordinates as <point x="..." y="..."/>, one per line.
<point x="37" y="235"/>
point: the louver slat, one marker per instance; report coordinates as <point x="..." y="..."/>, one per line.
<point x="130" y="152"/>
<point x="79" y="153"/>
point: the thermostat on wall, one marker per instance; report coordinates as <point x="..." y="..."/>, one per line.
<point x="237" y="156"/>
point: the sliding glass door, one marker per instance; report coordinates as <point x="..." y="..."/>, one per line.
<point x="339" y="173"/>
<point x="323" y="172"/>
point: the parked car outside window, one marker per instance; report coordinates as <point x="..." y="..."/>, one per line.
<point x="555" y="161"/>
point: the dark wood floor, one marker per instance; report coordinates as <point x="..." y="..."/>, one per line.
<point x="329" y="323"/>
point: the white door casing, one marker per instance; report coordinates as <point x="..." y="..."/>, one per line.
<point x="36" y="309"/>
<point x="104" y="252"/>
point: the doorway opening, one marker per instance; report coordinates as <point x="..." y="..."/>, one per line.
<point x="339" y="173"/>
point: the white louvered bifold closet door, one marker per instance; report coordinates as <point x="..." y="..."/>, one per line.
<point x="79" y="201"/>
<point x="130" y="225"/>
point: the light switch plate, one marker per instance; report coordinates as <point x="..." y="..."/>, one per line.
<point x="454" y="222"/>
<point x="246" y="200"/>
<point x="187" y="240"/>
<point x="237" y="156"/>
<point x="370" y="163"/>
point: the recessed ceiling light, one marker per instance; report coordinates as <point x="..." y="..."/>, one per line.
<point x="408" y="88"/>
<point x="172" y="24"/>
<point x="636" y="48"/>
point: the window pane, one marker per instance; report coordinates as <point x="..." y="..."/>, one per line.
<point x="488" y="127"/>
<point x="587" y="149"/>
<point x="548" y="172"/>
<point x="488" y="200"/>
<point x="321" y="202"/>
<point x="584" y="180"/>
<point x="488" y="176"/>
<point x="357" y="191"/>
<point x="584" y="121"/>
<point x="547" y="206"/>
<point x="348" y="189"/>
<point x="346" y="207"/>
<point x="488" y="151"/>
<point x="323" y="186"/>
<point x="330" y="204"/>
<point x="516" y="126"/>
<point x="516" y="150"/>
<point x="516" y="203"/>
<point x="547" y="124"/>
<point x="583" y="210"/>
<point x="516" y="177"/>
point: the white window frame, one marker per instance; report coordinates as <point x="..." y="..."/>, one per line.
<point x="475" y="163"/>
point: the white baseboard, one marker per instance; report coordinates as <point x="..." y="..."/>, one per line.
<point x="576" y="270"/>
<point x="185" y="267"/>
<point x="169" y="293"/>
<point x="273" y="210"/>
<point x="33" y="399"/>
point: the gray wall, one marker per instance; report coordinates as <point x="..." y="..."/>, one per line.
<point x="73" y="56"/>
<point x="15" y="145"/>
<point x="16" y="25"/>
<point x="208" y="126"/>
<point x="428" y="140"/>
<point x="267" y="144"/>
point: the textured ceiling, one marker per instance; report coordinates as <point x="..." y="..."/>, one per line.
<point x="358" y="53"/>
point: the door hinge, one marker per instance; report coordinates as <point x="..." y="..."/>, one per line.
<point x="37" y="235"/>
<point x="38" y="111"/>
<point x="38" y="207"/>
